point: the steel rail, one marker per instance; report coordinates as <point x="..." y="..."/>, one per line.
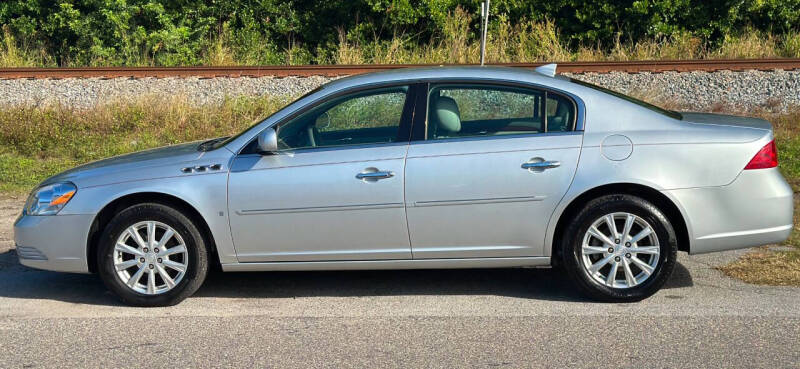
<point x="655" y="66"/>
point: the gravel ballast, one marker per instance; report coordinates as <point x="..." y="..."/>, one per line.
<point x="731" y="91"/>
<point x="775" y="91"/>
<point x="87" y="92"/>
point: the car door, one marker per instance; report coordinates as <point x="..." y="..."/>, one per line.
<point x="494" y="162"/>
<point x="334" y="191"/>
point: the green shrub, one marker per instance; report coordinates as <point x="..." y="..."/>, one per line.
<point x="194" y="32"/>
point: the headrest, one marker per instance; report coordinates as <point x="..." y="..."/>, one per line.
<point x="558" y="122"/>
<point x="446" y="114"/>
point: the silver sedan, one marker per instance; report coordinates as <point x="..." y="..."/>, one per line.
<point x="448" y="167"/>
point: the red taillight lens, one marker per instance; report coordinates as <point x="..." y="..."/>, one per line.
<point x="767" y="157"/>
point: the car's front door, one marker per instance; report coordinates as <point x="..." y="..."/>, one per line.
<point x="494" y="163"/>
<point x="334" y="191"/>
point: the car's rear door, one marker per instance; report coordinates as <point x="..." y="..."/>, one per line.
<point x="335" y="189"/>
<point x="494" y="162"/>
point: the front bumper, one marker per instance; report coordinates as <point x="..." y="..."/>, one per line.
<point x="756" y="209"/>
<point x="53" y="242"/>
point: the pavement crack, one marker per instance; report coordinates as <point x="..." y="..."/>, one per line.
<point x="137" y="345"/>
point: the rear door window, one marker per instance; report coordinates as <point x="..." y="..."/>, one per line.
<point x="487" y="110"/>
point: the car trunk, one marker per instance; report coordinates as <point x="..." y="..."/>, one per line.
<point x="727" y="120"/>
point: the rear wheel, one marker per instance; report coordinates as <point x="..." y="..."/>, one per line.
<point x="152" y="255"/>
<point x="619" y="248"/>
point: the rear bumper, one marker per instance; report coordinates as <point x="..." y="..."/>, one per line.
<point x="756" y="209"/>
<point x="54" y="242"/>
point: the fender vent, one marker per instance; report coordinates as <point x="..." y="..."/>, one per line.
<point x="202" y="168"/>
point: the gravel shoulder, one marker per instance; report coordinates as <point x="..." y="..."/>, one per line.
<point x="701" y="91"/>
<point x="439" y="318"/>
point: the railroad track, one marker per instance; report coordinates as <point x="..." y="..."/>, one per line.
<point x="341" y="70"/>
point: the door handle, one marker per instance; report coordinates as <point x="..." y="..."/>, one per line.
<point x="372" y="174"/>
<point x="541" y="165"/>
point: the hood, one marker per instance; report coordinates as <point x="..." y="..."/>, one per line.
<point x="125" y="167"/>
<point x="727" y="120"/>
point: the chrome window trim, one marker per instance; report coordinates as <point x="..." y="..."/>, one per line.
<point x="325" y="98"/>
<point x="496" y="137"/>
<point x="302" y="150"/>
<point x="580" y="107"/>
<point x="579" y="104"/>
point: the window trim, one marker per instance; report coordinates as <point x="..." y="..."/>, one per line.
<point x="577" y="121"/>
<point x="404" y="129"/>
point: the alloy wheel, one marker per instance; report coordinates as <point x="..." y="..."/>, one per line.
<point x="150" y="257"/>
<point x="620" y="250"/>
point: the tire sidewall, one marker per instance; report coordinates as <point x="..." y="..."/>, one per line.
<point x="197" y="265"/>
<point x="572" y="248"/>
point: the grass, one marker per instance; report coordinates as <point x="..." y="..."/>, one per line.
<point x="524" y="41"/>
<point x="768" y="267"/>
<point x="540" y="41"/>
<point x="36" y="142"/>
<point x="39" y="141"/>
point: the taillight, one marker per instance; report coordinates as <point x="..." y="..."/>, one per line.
<point x="767" y="157"/>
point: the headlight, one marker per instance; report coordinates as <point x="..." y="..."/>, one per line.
<point x="50" y="199"/>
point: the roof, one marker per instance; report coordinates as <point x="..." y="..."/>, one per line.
<point x="442" y="72"/>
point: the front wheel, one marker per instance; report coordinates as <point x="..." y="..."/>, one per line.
<point x="620" y="248"/>
<point x="152" y="255"/>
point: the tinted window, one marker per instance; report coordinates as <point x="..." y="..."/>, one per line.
<point x="560" y="113"/>
<point x="480" y="110"/>
<point x="367" y="117"/>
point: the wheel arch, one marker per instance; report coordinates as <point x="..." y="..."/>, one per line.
<point x="107" y="213"/>
<point x="659" y="199"/>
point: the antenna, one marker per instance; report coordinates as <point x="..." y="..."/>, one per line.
<point x="547" y="69"/>
<point x="484" y="26"/>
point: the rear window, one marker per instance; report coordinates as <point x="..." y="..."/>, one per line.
<point x="662" y="111"/>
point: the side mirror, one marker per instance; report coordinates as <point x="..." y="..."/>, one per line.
<point x="268" y="141"/>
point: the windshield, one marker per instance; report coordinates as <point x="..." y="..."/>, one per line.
<point x="217" y="144"/>
<point x="669" y="113"/>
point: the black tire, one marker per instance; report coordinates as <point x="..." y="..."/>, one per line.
<point x="571" y="254"/>
<point x="197" y="263"/>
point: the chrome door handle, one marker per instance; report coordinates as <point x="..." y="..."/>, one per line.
<point x="541" y="165"/>
<point x="374" y="175"/>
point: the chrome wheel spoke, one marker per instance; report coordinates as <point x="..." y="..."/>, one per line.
<point x="126" y="264"/>
<point x="600" y="236"/>
<point x="167" y="279"/>
<point x="172" y="250"/>
<point x="151" y="282"/>
<point x="612" y="275"/>
<point x="594" y="250"/>
<point x="600" y="264"/>
<point x="652" y="250"/>
<point x="175" y="265"/>
<point x="165" y="238"/>
<point x="629" y="278"/>
<point x="121" y="247"/>
<point x="151" y="234"/>
<point x="642" y="234"/>
<point x="135" y="277"/>
<point x="137" y="237"/>
<point x="642" y="265"/>
<point x="627" y="229"/>
<point x="612" y="227"/>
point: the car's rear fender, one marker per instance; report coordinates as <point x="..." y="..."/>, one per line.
<point x="678" y="169"/>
